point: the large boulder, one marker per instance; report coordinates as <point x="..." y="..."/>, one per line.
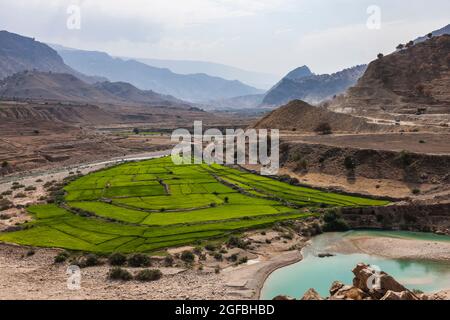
<point x="349" y="293"/>
<point x="311" y="294"/>
<point x="335" y="287"/>
<point x="374" y="282"/>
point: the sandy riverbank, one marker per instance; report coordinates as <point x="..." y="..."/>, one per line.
<point x="395" y="248"/>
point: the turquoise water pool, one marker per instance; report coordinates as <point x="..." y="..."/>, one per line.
<point x="319" y="273"/>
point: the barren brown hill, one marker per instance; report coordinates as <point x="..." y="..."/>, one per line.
<point x="56" y="113"/>
<point x="18" y="53"/>
<point x="411" y="81"/>
<point x="49" y="86"/>
<point x="302" y="117"/>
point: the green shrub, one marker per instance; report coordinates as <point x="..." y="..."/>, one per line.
<point x="323" y="128"/>
<point x="30" y="188"/>
<point x="61" y="257"/>
<point x="237" y="242"/>
<point x="89" y="260"/>
<point x="210" y="247"/>
<point x="243" y="260"/>
<point x="233" y="257"/>
<point x="117" y="273"/>
<point x="20" y="195"/>
<point x="149" y="275"/>
<point x="187" y="256"/>
<point x="334" y="222"/>
<point x="139" y="260"/>
<point x="5" y="204"/>
<point x="117" y="259"/>
<point x="218" y="256"/>
<point x="168" y="261"/>
<point x="416" y="191"/>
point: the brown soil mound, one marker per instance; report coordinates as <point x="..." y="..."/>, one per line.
<point x="302" y="117"/>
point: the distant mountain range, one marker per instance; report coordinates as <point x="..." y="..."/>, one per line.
<point x="63" y="87"/>
<point x="237" y="103"/>
<point x="254" y="79"/>
<point x="197" y="87"/>
<point x="302" y="84"/>
<point x="18" y="53"/>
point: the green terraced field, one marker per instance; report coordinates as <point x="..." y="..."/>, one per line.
<point x="151" y="205"/>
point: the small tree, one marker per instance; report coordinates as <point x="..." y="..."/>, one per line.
<point x="410" y="44"/>
<point x="136" y="131"/>
<point x="5" y="164"/>
<point x="380" y="56"/>
<point x="400" y="47"/>
<point x="323" y="128"/>
<point x="430" y="35"/>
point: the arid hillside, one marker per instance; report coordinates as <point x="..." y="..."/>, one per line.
<point x="299" y="116"/>
<point x="412" y="81"/>
<point x="18" y="53"/>
<point x="49" y="86"/>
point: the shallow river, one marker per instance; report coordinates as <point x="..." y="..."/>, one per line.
<point x="319" y="273"/>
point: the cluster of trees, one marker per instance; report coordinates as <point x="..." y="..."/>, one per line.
<point x="402" y="46"/>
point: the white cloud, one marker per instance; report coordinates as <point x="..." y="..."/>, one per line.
<point x="266" y="35"/>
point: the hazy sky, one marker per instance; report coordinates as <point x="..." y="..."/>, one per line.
<point x="271" y="36"/>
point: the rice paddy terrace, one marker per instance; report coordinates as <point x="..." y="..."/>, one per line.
<point x="151" y="205"/>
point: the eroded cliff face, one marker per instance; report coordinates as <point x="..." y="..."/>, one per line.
<point x="405" y="216"/>
<point x="368" y="163"/>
